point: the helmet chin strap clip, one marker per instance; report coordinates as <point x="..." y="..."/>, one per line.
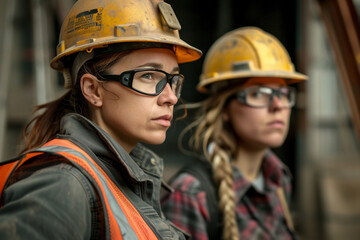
<point x="67" y="77"/>
<point x="80" y="59"/>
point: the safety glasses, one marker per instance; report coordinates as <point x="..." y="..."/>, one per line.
<point x="148" y="81"/>
<point x="261" y="96"/>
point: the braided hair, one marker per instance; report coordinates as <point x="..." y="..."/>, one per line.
<point x="215" y="139"/>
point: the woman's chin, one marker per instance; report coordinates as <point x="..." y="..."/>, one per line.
<point x="155" y="140"/>
<point x="276" y="143"/>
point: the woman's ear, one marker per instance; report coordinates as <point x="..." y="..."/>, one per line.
<point x="90" y="88"/>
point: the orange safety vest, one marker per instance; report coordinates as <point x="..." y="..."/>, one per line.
<point x="119" y="209"/>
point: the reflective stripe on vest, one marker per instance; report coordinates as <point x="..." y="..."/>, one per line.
<point x="125" y="222"/>
<point x="7" y="168"/>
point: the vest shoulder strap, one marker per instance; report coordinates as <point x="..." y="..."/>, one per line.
<point x="119" y="209"/>
<point x="8" y="167"/>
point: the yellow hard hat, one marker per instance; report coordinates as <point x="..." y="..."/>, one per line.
<point x="244" y="53"/>
<point x="94" y="24"/>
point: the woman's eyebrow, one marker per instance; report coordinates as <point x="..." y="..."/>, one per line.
<point x="158" y="66"/>
<point x="176" y="69"/>
<point x="153" y="65"/>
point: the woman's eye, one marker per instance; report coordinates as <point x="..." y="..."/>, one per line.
<point x="255" y="94"/>
<point x="147" y="76"/>
<point x="284" y="91"/>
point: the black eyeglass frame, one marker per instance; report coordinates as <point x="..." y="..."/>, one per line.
<point x="241" y="96"/>
<point x="126" y="79"/>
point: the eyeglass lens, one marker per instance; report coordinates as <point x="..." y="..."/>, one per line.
<point x="153" y="82"/>
<point x="263" y="96"/>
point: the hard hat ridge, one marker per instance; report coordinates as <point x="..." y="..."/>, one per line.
<point x="101" y="24"/>
<point x="244" y="53"/>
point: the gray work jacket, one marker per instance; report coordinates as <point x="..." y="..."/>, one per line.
<point x="49" y="198"/>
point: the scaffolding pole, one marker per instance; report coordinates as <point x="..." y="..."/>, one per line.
<point x="42" y="41"/>
<point x="5" y="68"/>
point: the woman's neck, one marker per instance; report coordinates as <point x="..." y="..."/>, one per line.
<point x="248" y="161"/>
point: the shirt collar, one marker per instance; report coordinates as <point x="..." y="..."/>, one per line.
<point x="272" y="170"/>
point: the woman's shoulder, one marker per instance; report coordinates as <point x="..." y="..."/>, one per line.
<point x="185" y="182"/>
<point x="56" y="191"/>
<point x="46" y="171"/>
<point x="193" y="177"/>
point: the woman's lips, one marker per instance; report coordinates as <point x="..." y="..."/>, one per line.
<point x="164" y="120"/>
<point x="276" y="124"/>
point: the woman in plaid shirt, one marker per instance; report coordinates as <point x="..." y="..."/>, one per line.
<point x="247" y="72"/>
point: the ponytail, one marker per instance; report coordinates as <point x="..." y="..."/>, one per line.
<point x="44" y="126"/>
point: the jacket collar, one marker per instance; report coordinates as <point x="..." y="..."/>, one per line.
<point x="103" y="146"/>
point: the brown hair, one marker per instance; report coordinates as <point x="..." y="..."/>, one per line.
<point x="46" y="124"/>
<point x="211" y="130"/>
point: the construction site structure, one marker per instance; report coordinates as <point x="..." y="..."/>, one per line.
<point x="327" y="204"/>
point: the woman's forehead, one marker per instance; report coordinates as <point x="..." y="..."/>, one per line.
<point x="159" y="58"/>
<point x="152" y="53"/>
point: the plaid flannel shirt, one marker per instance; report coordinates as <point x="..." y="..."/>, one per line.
<point x="259" y="213"/>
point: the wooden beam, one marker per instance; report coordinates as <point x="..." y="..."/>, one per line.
<point x="342" y="24"/>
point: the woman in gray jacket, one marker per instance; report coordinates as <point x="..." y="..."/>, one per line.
<point x="83" y="174"/>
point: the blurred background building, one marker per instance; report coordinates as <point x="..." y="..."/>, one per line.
<point x="322" y="37"/>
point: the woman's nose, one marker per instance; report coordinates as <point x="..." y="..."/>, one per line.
<point x="167" y="96"/>
<point x="276" y="104"/>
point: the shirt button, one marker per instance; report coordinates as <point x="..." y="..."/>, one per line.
<point x="153" y="161"/>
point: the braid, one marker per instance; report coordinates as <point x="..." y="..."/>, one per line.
<point x="223" y="177"/>
<point x="212" y="130"/>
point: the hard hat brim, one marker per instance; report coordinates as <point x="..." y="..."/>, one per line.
<point x="183" y="51"/>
